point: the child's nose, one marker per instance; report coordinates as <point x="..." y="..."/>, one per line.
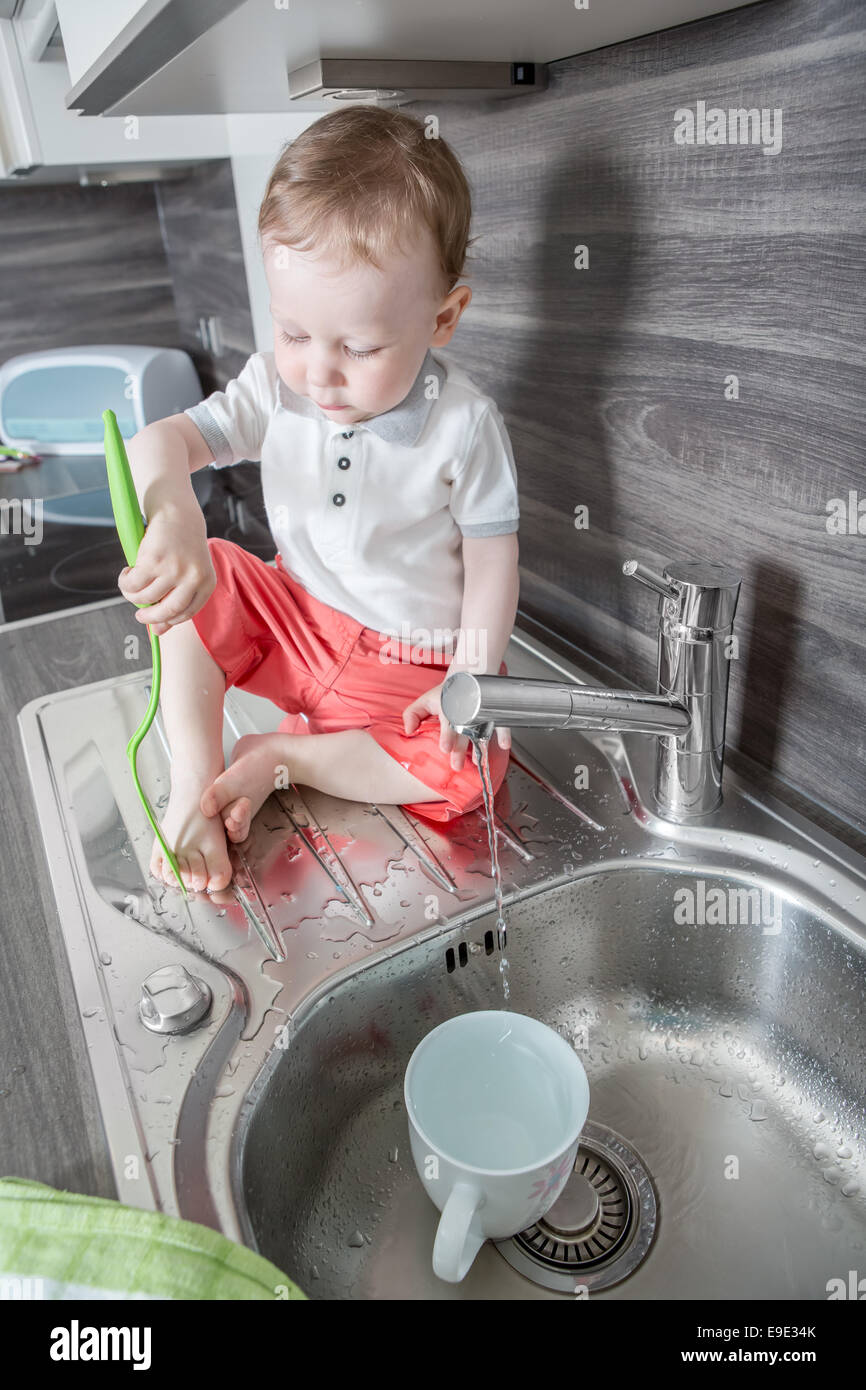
<point x="324" y="369"/>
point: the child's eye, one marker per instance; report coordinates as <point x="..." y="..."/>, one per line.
<point x="287" y="338"/>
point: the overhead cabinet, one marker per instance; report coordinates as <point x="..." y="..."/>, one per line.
<point x="186" y="57"/>
<point x="42" y="139"/>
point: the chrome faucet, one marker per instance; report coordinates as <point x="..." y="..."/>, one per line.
<point x="697" y="602"/>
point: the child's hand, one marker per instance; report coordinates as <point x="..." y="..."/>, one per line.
<point x="429" y="705"/>
<point x="173" y="573"/>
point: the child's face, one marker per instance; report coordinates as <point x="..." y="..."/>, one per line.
<point x="326" y="317"/>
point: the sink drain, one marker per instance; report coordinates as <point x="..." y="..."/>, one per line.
<point x="601" y="1225"/>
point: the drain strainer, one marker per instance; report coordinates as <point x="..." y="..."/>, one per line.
<point x="601" y="1225"/>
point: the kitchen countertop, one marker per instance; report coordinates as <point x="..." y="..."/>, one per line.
<point x="50" y="1125"/>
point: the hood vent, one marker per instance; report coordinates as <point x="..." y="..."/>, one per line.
<point x="395" y="81"/>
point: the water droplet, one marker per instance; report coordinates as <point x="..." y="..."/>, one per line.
<point x="759" y="1110"/>
<point x="356" y="1239"/>
<point x="105" y="957"/>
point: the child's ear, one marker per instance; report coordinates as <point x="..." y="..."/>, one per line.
<point x="448" y="317"/>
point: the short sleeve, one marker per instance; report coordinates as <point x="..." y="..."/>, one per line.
<point x="484" y="500"/>
<point x="233" y="422"/>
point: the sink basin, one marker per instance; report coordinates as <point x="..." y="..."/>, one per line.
<point x="712" y="977"/>
<point x="729" y="1057"/>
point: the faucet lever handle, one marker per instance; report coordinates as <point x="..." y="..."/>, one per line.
<point x="697" y="594"/>
<point x="648" y="577"/>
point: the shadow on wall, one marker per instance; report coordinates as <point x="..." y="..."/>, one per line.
<point x="578" y="278"/>
<point x="771" y="636"/>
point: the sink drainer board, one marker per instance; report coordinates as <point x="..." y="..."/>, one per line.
<point x="355" y="929"/>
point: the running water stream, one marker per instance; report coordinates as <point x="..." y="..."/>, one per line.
<point x="481" y="746"/>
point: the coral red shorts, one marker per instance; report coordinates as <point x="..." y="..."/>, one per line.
<point x="273" y="638"/>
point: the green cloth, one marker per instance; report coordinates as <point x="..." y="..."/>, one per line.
<point x="91" y="1247"/>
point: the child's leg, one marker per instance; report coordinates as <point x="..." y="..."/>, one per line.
<point x="191" y="702"/>
<point x="349" y="764"/>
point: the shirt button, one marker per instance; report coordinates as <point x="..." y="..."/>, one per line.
<point x="347" y="434"/>
<point x="344" y="463"/>
<point x="338" y="499"/>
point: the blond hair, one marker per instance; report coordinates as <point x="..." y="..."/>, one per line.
<point x="358" y="183"/>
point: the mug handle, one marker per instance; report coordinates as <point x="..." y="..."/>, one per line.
<point x="457" y="1243"/>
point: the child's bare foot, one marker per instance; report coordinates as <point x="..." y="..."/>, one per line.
<point x="198" y="841"/>
<point x="240" y="792"/>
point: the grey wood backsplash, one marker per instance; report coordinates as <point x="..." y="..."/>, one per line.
<point x="129" y="263"/>
<point x="199" y="220"/>
<point x="82" y="265"/>
<point x="705" y="262"/>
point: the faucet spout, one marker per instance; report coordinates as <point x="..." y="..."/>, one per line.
<point x="686" y="716"/>
<point x="470" y="702"/>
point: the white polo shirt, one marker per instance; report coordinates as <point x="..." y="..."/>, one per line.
<point x="369" y="517"/>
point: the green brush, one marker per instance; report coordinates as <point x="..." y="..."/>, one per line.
<point x="130" y="529"/>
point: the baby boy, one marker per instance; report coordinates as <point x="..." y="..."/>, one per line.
<point x="391" y="494"/>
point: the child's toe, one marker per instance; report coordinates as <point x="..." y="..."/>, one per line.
<point x="198" y="871"/>
<point x="236" y="818"/>
<point x="220" y="877"/>
<point x="183" y="869"/>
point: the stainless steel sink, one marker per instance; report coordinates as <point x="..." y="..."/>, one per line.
<point x="702" y="1045"/>
<point x="712" y="976"/>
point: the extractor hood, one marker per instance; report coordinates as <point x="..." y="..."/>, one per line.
<point x="396" y="81"/>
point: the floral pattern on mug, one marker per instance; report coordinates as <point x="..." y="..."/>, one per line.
<point x="555" y="1174"/>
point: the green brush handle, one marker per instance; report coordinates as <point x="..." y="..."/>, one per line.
<point x="130" y="529"/>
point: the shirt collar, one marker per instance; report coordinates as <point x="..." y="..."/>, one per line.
<point x="401" y="425"/>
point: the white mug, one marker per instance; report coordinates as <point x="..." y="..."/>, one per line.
<point x="496" y="1103"/>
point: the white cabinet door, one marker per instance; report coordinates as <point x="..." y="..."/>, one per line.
<point x="19" y="140"/>
<point x="89" y="26"/>
<point x="38" y="131"/>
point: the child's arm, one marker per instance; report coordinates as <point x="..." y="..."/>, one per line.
<point x="173" y="572"/>
<point x="162" y="456"/>
<point x="491" y="586"/>
<point x="491" y="583"/>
